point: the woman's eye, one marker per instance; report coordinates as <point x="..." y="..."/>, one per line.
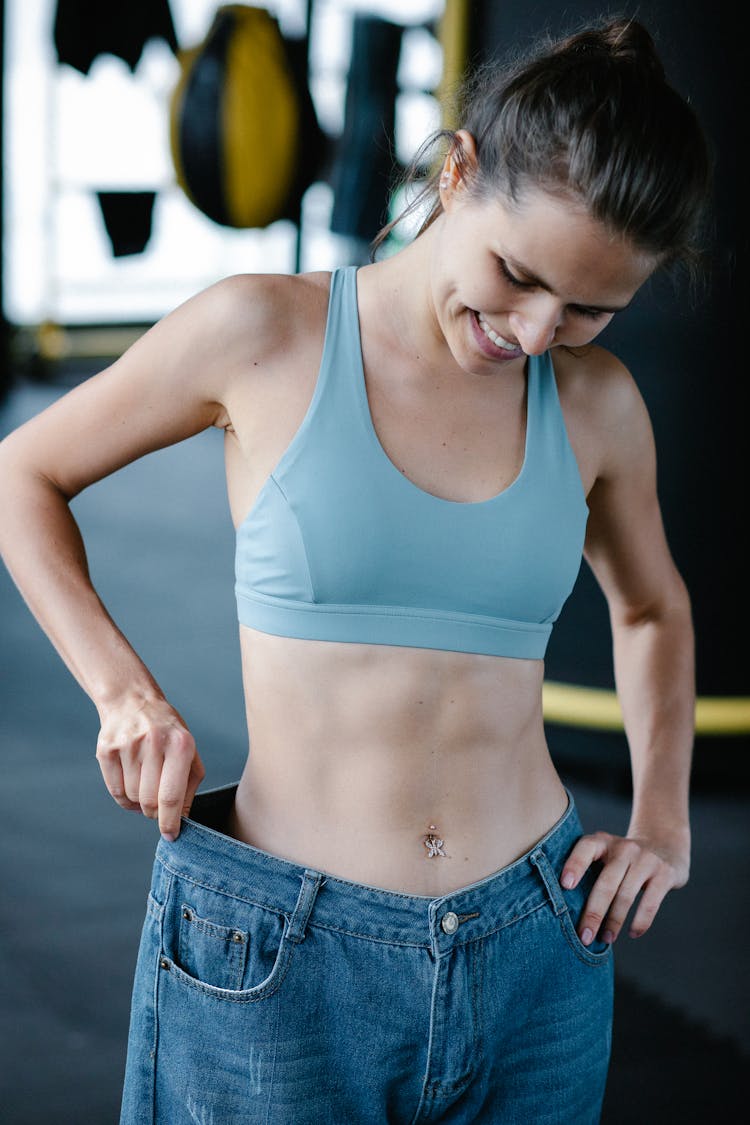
<point x="579" y="310"/>
<point x="511" y="278"/>
<point x="592" y="314"/>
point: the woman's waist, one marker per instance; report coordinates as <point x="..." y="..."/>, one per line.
<point x="206" y="849"/>
<point x="421" y="823"/>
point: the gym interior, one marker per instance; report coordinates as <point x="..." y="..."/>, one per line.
<point x="125" y="190"/>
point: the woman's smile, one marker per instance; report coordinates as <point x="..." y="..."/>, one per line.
<point x="491" y="343"/>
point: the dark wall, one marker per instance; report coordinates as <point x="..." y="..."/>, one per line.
<point x="683" y="351"/>
<point x="5" y="371"/>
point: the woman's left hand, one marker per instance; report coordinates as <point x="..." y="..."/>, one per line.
<point x="631" y="866"/>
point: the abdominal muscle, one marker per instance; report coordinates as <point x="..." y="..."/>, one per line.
<point x="414" y="770"/>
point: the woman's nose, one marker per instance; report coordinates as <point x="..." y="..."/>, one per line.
<point x="535" y="326"/>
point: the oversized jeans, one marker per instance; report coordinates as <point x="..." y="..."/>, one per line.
<point x="272" y="994"/>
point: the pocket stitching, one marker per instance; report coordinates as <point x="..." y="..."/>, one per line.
<point x="226" y="893"/>
<point x="575" y="943"/>
<point x="239" y="996"/>
<point x="234" y="964"/>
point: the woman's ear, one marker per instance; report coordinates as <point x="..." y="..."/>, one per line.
<point x="458" y="167"/>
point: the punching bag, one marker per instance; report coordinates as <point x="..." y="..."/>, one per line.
<point x="686" y="356"/>
<point x="243" y="132"/>
<point x="363" y="169"/>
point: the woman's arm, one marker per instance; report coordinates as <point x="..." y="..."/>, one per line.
<point x="653" y="642"/>
<point x="171" y="384"/>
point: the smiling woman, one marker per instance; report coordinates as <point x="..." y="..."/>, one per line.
<point x="418" y="454"/>
<point x="497" y="254"/>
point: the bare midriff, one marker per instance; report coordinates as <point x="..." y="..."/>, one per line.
<point x="414" y="770"/>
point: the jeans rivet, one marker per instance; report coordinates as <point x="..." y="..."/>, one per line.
<point x="449" y="923"/>
<point x="164" y="963"/>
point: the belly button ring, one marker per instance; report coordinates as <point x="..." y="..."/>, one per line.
<point x="434" y="844"/>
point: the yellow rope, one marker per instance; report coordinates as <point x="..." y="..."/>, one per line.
<point x="599" y="709"/>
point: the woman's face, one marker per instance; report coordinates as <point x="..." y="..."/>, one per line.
<point x="511" y="280"/>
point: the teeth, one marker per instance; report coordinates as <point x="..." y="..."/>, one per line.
<point x="490" y="333"/>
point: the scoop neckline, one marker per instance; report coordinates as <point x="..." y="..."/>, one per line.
<point x="378" y="445"/>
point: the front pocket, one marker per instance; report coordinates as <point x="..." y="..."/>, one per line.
<point x="598" y="951"/>
<point x="219" y="942"/>
<point x="262" y="991"/>
<point x="210" y="951"/>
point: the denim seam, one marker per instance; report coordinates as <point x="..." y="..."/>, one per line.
<point x="503" y="925"/>
<point x="225" y="994"/>
<point x="283" y="913"/>
<point x="235" y="959"/>
<point x="426" y="1082"/>
<point x="350" y="933"/>
<point x="428" y="944"/>
<point x="154" y="908"/>
<point x="212" y="929"/>
<point x="396" y="942"/>
<point x="221" y="891"/>
<point x="166" y="891"/>
<point x="478" y="987"/>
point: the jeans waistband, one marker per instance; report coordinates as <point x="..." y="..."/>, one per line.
<point x="212" y="859"/>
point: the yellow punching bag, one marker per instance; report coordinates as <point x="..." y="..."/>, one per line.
<point x="237" y="116"/>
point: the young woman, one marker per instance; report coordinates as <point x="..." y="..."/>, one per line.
<point x="395" y="915"/>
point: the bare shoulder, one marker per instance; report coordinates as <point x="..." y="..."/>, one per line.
<point x="595" y="375"/>
<point x="604" y="410"/>
<point x="277" y="326"/>
<point x="249" y="329"/>
<point x="263" y="315"/>
<point x="193" y="369"/>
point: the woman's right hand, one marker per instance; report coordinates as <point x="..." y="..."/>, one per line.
<point x="149" y="761"/>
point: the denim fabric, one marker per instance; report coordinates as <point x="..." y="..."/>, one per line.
<point x="271" y="994"/>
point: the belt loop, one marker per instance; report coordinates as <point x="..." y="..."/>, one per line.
<point x="552" y="884"/>
<point x="311" y="882"/>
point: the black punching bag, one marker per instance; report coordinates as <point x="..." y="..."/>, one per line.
<point x="363" y="166"/>
<point x="684" y="354"/>
<point x="244" y="136"/>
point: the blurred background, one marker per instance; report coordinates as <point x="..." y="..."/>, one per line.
<point x="146" y="154"/>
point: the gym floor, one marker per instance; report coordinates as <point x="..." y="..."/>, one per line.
<point x="75" y="869"/>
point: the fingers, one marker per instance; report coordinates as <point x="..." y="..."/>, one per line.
<point x="182" y="774"/>
<point x="651" y="900"/>
<point x="629" y="869"/>
<point x="195" y="777"/>
<point x="587" y="850"/>
<point x="108" y="758"/>
<point x="153" y="768"/>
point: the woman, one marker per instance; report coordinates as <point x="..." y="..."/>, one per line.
<point x="395" y="916"/>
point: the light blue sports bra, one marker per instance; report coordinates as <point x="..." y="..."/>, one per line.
<point x="340" y="545"/>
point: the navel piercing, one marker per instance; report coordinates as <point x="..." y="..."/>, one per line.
<point x="434" y="844"/>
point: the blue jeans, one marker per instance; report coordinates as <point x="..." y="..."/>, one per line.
<point x="271" y="994"/>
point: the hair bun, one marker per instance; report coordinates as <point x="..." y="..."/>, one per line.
<point x="621" y="40"/>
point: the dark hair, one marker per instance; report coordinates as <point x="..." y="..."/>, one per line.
<point x="591" y="118"/>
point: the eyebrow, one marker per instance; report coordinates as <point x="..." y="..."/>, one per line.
<point x="533" y="279"/>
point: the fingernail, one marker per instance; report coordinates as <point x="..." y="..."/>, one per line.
<point x="587" y="936"/>
<point x="568" y="880"/>
<point x="169" y="837"/>
<point x="608" y="937"/>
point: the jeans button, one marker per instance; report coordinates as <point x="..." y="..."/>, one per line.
<point x="449" y="923"/>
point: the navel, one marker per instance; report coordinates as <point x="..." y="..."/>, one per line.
<point x="434" y="843"/>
